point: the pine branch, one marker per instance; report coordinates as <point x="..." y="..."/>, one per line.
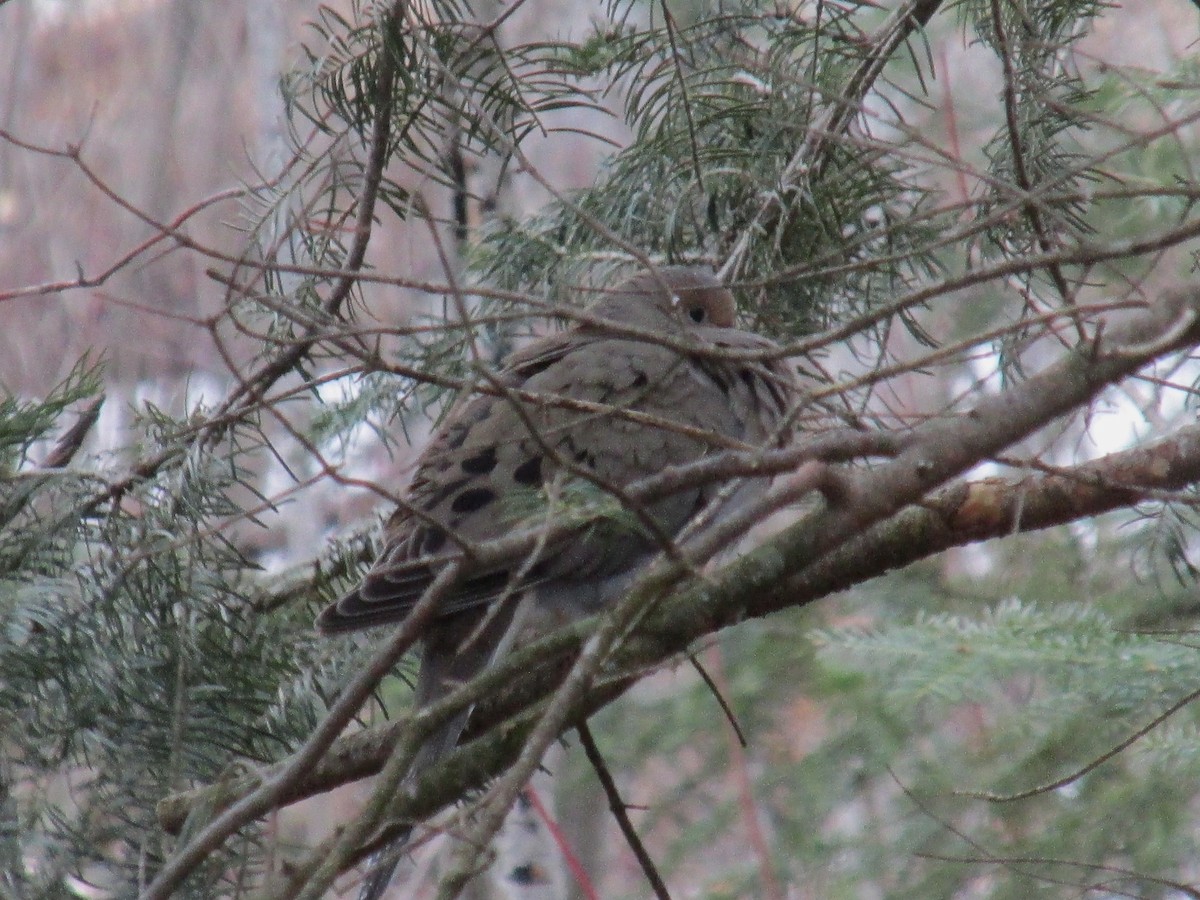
<point x="812" y="157"/>
<point x="869" y="528"/>
<point x="959" y="515"/>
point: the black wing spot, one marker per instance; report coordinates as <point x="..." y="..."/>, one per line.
<point x="437" y="497"/>
<point x="529" y="473"/>
<point x="481" y="463"/>
<point x="580" y="455"/>
<point x="458" y="432"/>
<point x="716" y="374"/>
<point x="758" y="382"/>
<point x="472" y="499"/>
<point x="641" y="380"/>
<point x="432" y="540"/>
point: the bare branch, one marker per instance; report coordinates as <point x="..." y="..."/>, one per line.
<point x="793" y="568"/>
<point x="617" y="807"/>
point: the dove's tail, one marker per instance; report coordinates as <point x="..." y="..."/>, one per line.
<point x="382" y="868"/>
<point x="382" y="864"/>
<point x="454" y="650"/>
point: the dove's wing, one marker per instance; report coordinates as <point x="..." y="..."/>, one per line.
<point x="499" y="460"/>
<point x="485" y="470"/>
<point x="416" y="546"/>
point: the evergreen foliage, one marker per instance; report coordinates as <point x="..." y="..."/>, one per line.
<point x="144" y="650"/>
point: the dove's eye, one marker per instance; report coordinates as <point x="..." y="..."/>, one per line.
<point x="697" y="314"/>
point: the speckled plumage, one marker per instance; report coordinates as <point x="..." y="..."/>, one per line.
<point x="495" y="454"/>
<point x="490" y="449"/>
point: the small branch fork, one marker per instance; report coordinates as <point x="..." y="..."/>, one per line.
<point x="872" y="520"/>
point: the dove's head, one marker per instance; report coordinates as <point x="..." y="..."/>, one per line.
<point x="669" y="298"/>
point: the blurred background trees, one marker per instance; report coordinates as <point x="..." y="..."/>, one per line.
<point x="930" y="200"/>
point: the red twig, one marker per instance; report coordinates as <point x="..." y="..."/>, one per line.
<point x="560" y="839"/>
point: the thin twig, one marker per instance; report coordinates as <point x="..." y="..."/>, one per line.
<point x="717" y="695"/>
<point x="811" y="159"/>
<point x="684" y="96"/>
<point x="1093" y="764"/>
<point x="617" y="806"/>
<point x="1012" y="863"/>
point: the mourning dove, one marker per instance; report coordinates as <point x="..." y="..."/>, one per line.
<point x="503" y="453"/>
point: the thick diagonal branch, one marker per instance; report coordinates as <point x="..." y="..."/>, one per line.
<point x="875" y="526"/>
